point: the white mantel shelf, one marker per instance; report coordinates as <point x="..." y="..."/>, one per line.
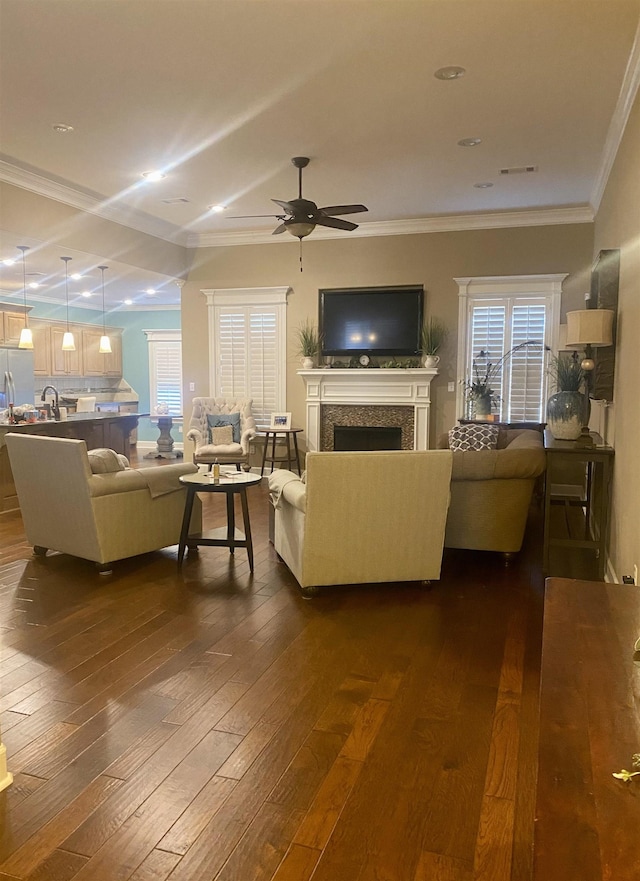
<point x="373" y="386"/>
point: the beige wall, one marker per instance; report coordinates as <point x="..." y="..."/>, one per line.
<point x="618" y="226"/>
<point x="433" y="260"/>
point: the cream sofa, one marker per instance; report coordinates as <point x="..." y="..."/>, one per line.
<point x="362" y="517"/>
<point x="491" y="492"/>
<point x="102" y="517"/>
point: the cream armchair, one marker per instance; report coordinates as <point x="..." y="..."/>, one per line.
<point x="232" y="451"/>
<point x="105" y="516"/>
<point x="362" y="517"/>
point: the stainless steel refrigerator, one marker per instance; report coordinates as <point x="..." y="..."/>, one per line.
<point x="17" y="383"/>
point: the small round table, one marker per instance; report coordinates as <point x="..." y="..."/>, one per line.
<point x="229" y="483"/>
<point x="292" y="455"/>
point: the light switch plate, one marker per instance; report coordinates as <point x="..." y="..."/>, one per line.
<point x="451" y="387"/>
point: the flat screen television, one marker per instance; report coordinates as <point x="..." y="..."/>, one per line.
<point x="378" y="321"/>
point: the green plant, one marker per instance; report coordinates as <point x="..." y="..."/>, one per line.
<point x="434" y="333"/>
<point x="485" y="373"/>
<point x="309" y="339"/>
<point x="566" y="372"/>
<point x="628" y="775"/>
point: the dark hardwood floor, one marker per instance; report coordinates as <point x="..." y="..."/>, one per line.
<point x="214" y="724"/>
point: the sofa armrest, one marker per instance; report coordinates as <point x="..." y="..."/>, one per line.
<point x="158" y="481"/>
<point x="286" y="485"/>
<point x="195" y="435"/>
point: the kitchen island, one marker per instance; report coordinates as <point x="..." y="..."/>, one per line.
<point x="96" y="429"/>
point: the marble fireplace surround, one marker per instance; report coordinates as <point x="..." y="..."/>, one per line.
<point x="381" y="397"/>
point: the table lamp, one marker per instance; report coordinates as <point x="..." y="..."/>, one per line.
<point x="589" y="329"/>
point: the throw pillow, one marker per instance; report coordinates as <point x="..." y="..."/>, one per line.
<point x="222" y="434"/>
<point x="233" y="419"/>
<point x="473" y="437"/>
<point x="104" y="461"/>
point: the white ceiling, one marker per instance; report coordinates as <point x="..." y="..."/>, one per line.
<point x="220" y="94"/>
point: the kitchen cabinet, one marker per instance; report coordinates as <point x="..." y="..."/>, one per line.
<point x="41" y="348"/>
<point x="66" y="363"/>
<point x="99" y="364"/>
<point x="11" y="325"/>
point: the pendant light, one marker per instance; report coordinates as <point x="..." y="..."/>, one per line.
<point x="26" y="339"/>
<point x="68" y="342"/>
<point x="105" y="342"/>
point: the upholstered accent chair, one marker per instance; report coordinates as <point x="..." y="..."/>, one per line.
<point x="362" y="517"/>
<point x="91" y="504"/>
<point x="222" y="429"/>
<point x="491" y="491"/>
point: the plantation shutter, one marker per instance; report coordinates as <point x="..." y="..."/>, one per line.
<point x="488" y="329"/>
<point x="527" y="366"/>
<point x="247" y="358"/>
<point x="165" y="370"/>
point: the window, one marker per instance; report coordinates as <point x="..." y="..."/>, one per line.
<point x="247" y="347"/>
<point x="495" y="316"/>
<point x="165" y="370"/>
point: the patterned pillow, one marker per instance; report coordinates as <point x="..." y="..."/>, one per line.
<point x="473" y="437"/>
<point x="233" y="419"/>
<point x="223" y="434"/>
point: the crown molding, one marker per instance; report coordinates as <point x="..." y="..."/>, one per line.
<point x="626" y="98"/>
<point x="107" y="210"/>
<point x="441" y="223"/>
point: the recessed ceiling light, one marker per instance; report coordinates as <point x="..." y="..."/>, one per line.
<point x="33" y="285"/>
<point x="217" y="209"/>
<point x="484" y="185"/>
<point x="128" y="302"/>
<point x="469" y="142"/>
<point x="449" y="73"/>
<point x="150" y="291"/>
<point x="76" y="276"/>
<point x="86" y="293"/>
<point x="153" y="175"/>
<point x="8" y="262"/>
<point x="61" y="128"/>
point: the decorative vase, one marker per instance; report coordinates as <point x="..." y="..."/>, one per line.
<point x="565" y="415"/>
<point x="482" y="406"/>
<point x="307" y="363"/>
<point x="431" y="360"/>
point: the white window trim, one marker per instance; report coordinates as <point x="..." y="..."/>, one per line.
<point x="160" y="336"/>
<point x="276" y="297"/>
<point x="495" y="287"/>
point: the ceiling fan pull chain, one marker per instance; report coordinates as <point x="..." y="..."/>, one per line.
<point x="300" y="247"/>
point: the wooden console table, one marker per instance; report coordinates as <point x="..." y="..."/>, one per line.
<point x="587" y="822"/>
<point x="577" y="486"/>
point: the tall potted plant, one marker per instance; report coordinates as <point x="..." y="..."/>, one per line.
<point x="434" y="334"/>
<point x="308" y="343"/>
<point x="485" y="373"/>
<point x="566" y="409"/>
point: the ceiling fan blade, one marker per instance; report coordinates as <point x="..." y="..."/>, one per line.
<point x="332" y="210"/>
<point x="335" y="223"/>
<point x="288" y="207"/>
<point x="247" y="216"/>
<point x="279" y="229"/>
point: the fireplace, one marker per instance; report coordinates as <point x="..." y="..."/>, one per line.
<point x="381" y="397"/>
<point x="367" y="437"/>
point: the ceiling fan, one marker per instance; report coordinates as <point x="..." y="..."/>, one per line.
<point x="302" y="216"/>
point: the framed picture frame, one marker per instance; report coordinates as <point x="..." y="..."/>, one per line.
<point x="280" y="421"/>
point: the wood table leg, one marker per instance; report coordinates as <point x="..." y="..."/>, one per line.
<point x="231" y="523"/>
<point x="247" y="526"/>
<point x="295" y="446"/>
<point x="264" y="453"/>
<point x="186" y="520"/>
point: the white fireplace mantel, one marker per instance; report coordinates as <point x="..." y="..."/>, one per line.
<point x="381" y="387"/>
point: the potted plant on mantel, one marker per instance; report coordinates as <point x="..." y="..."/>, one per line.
<point x="308" y="344"/>
<point x="434" y="334"/>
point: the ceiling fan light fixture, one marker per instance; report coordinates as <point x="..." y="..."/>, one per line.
<point x="300" y="228"/>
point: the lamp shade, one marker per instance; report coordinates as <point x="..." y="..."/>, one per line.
<point x="589" y="327"/>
